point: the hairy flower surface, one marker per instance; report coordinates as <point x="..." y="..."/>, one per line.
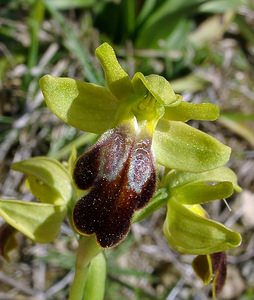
<point x="121" y="172"/>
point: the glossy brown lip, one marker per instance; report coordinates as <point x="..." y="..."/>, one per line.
<point x="120" y="171"/>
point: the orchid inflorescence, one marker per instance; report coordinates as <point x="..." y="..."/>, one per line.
<point x="143" y="133"/>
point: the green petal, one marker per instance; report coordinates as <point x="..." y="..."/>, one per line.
<point x="190" y="233"/>
<point x="47" y="174"/>
<point x="158" y="86"/>
<point x="188" y="111"/>
<point x="38" y="221"/>
<point x="86" y="106"/>
<point x="177" y="179"/>
<point x="117" y="79"/>
<point x="202" y="192"/>
<point x="179" y="146"/>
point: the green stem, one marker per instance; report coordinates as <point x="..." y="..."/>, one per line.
<point x="87" y="250"/>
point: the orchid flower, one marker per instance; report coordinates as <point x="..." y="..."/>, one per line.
<point x="142" y="126"/>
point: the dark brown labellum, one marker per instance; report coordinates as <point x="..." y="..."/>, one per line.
<point x="120" y="171"/>
<point x="219" y="265"/>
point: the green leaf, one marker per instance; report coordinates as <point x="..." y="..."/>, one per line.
<point x="86" y="106"/>
<point x="73" y="44"/>
<point x="66" y="4"/>
<point x="219" y="6"/>
<point x="158" y="86"/>
<point x="48" y="179"/>
<point x="202" y="192"/>
<point x="188" y="232"/>
<point x="158" y="25"/>
<point x="117" y="79"/>
<point x="188" y="111"/>
<point x="38" y="221"/>
<point x="95" y="283"/>
<point x="176" y="179"/>
<point x="179" y="146"/>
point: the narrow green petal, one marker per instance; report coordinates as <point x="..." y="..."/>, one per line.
<point x="190" y="233"/>
<point x="202" y="192"/>
<point x="47" y="174"/>
<point x="38" y="221"/>
<point x="188" y="111"/>
<point x="117" y="79"/>
<point x="177" y="179"/>
<point x="86" y="106"/>
<point x="182" y="147"/>
<point x="158" y="86"/>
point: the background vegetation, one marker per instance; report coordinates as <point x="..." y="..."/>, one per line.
<point x="205" y="49"/>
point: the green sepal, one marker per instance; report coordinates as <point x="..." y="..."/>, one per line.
<point x="43" y="192"/>
<point x="48" y="179"/>
<point x="38" y="221"/>
<point x="202" y="192"/>
<point x="86" y="106"/>
<point x="202" y="266"/>
<point x="117" y="79"/>
<point x="196" y="188"/>
<point x="188" y="232"/>
<point x="157" y="86"/>
<point x="188" y="111"/>
<point x="176" y="179"/>
<point x="95" y="282"/>
<point x="182" y="147"/>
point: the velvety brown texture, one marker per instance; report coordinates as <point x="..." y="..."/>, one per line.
<point x="119" y="169"/>
<point x="219" y="265"/>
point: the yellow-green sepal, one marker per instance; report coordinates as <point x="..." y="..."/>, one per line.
<point x="83" y="105"/>
<point x="38" y="221"/>
<point x="117" y="79"/>
<point x="175" y="178"/>
<point x="182" y="147"/>
<point x="203" y="192"/>
<point x="197" y="188"/>
<point x="189" y="232"/>
<point x="48" y="180"/>
<point x="189" y="111"/>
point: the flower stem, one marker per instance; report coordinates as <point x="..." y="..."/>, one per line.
<point x="87" y="250"/>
